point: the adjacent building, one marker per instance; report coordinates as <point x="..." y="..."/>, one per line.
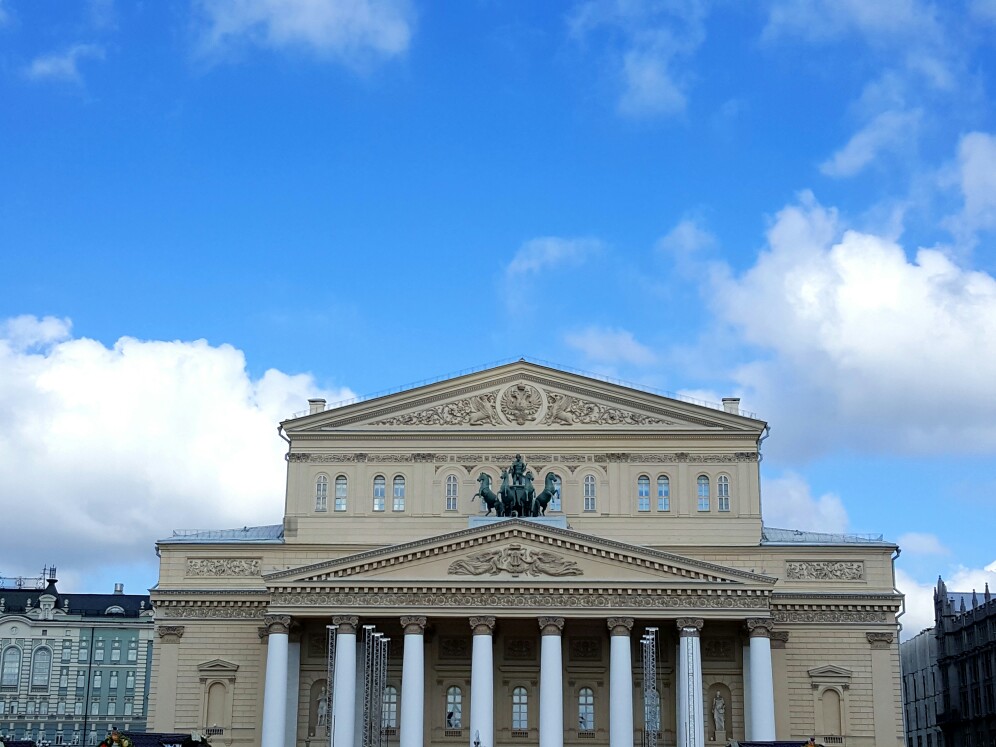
<point x="949" y="687"/>
<point x="72" y="666"/>
<point x="647" y="603"/>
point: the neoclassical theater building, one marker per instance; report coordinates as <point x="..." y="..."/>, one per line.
<point x="519" y="629"/>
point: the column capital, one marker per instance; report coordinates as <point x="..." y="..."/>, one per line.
<point x="551" y="625"/>
<point x="620" y="625"/>
<point x="759" y="627"/>
<point x="689" y="627"/>
<point x="170" y="633"/>
<point x="414" y="624"/>
<point x="879" y="640"/>
<point x="347" y="624"/>
<point x="779" y="638"/>
<point x="482" y="625"/>
<point x="277" y="624"/>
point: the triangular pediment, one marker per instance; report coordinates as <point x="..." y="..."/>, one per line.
<point x="829" y="672"/>
<point x="518" y="551"/>
<point x="217" y="666"/>
<point x="523" y="395"/>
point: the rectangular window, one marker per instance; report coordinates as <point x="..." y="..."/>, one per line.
<point x="78" y="708"/>
<point x="112" y="708"/>
<point x="31" y="706"/>
<point x="113" y="680"/>
<point x="130" y="681"/>
<point x="115" y="655"/>
<point x="132" y="654"/>
<point x="399" y="493"/>
<point x="83" y="654"/>
<point x="61" y="708"/>
<point x="97" y="679"/>
<point x="43" y="708"/>
<point x="95" y="708"/>
<point x="64" y="677"/>
<point x="128" y="707"/>
<point x="98" y="654"/>
<point x="67" y="651"/>
<point x="81" y="679"/>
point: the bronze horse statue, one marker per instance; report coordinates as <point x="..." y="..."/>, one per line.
<point x="517" y="499"/>
<point x="488" y="497"/>
<point x="542" y="499"/>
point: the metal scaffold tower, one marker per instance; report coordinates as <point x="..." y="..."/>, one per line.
<point x="651" y="696"/>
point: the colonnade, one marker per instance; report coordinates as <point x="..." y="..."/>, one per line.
<point x="758" y="684"/>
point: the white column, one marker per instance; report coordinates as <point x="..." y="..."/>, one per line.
<point x="413" y="683"/>
<point x="482" y="683"/>
<point x="620" y="682"/>
<point x="275" y="684"/>
<point x="748" y="727"/>
<point x="293" y="689"/>
<point x="551" y="715"/>
<point x="762" y="689"/>
<point x="691" y="719"/>
<point x="344" y="700"/>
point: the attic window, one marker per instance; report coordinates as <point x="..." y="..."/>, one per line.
<point x="114" y="610"/>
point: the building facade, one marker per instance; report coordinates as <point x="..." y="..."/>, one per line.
<point x="72" y="666"/>
<point x="525" y="629"/>
<point x="949" y="685"/>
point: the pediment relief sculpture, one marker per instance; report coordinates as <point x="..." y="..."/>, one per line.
<point x="515" y="560"/>
<point x="523" y="404"/>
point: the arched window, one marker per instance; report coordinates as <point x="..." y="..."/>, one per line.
<point x="586" y="709"/>
<point x="723" y="493"/>
<point x="389" y="717"/>
<point x="399" y="493"/>
<point x="555" y="501"/>
<point x="380" y="492"/>
<point x="322" y="493"/>
<point x="341" y="490"/>
<point x="454" y="708"/>
<point x="643" y="493"/>
<point x="520" y="709"/>
<point x="589" y="493"/>
<point x="41" y="668"/>
<point x="663" y="493"/>
<point x="10" y="667"/>
<point x="831" y="712"/>
<point x="451" y="493"/>
<point x="703" y="485"/>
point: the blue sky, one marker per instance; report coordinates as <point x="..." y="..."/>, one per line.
<point x="212" y="210"/>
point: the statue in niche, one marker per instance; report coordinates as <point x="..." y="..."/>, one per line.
<point x="719" y="712"/>
<point x="323" y="708"/>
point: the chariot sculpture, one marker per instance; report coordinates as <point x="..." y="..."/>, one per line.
<point x="516" y="495"/>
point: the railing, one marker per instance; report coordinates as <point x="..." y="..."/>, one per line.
<point x="586" y="734"/>
<point x="832" y="740"/>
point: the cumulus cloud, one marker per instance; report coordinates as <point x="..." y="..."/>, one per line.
<point x="685" y="239"/>
<point x="829" y="307"/>
<point x="64" y="66"/>
<point x="920" y="596"/>
<point x="352" y="31"/>
<point x="888" y="131"/>
<point x="131" y="441"/>
<point x="646" y="42"/>
<point x="548" y="252"/>
<point x="612" y="346"/>
<point x="922" y="543"/>
<point x="789" y="503"/>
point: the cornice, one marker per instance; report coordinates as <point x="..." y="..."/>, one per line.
<point x="858" y="597"/>
<point x="521" y="528"/>
<point x="414" y="433"/>
<point x="192" y="591"/>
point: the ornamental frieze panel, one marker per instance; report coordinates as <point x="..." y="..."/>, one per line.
<point x="515" y="560"/>
<point x="536" y="599"/>
<point x="585" y="649"/>
<point x="717" y="649"/>
<point x="224" y="612"/>
<point x="563" y="409"/>
<point x="828" y="616"/>
<point x="223" y="567"/>
<point x="825" y="570"/>
<point x="478" y="409"/>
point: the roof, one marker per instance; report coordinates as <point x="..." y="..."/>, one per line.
<point x="273" y="533"/>
<point x="15" y="601"/>
<point x="773" y="536"/>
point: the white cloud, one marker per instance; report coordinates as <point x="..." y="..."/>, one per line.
<point x="921" y="543"/>
<point x="63" y="66"/>
<point x="612" y="346"/>
<point x="132" y="441"/>
<point x="353" y="31"/>
<point x="817" y="20"/>
<point x="548" y="252"/>
<point x="647" y="41"/>
<point x="831" y="307"/>
<point x="788" y="503"/>
<point x="977" y="179"/>
<point x="920" y="596"/>
<point x="686" y="238"/>
<point x="889" y="131"/>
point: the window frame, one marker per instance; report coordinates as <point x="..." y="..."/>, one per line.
<point x="398" y="496"/>
<point x="723" y="493"/>
<point x="520" y="708"/>
<point x="341" y="496"/>
<point x="643" y="493"/>
<point x="379" y="493"/>
<point x="453" y="697"/>
<point x="11" y="677"/>
<point x="704" y="496"/>
<point x="663" y="496"/>
<point x="451" y="496"/>
<point x="322" y="492"/>
<point x="589" y="493"/>
<point x="586" y="706"/>
<point x="34" y="682"/>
